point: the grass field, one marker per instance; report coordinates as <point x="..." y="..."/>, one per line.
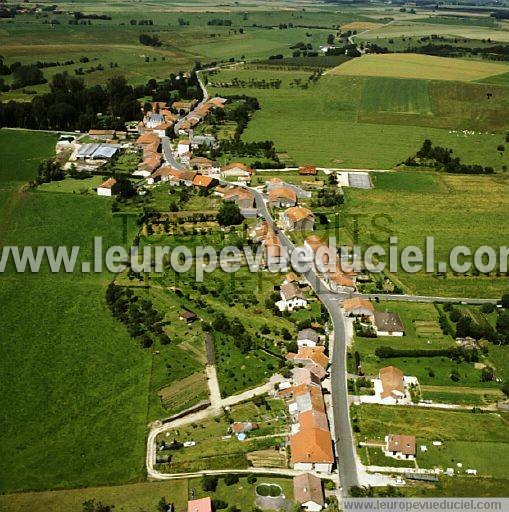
<point x="73" y="381"/>
<point x="442" y="206"/>
<point x="471" y="439"/>
<point x="409" y="65"/>
<point x="140" y="496"/>
<point x="365" y="122"/>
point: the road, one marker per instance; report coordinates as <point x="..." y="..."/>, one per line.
<point x="424" y="298"/>
<point x="345" y="449"/>
<point x="169" y="156"/>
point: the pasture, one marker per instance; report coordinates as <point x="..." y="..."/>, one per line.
<point x="74" y="382"/>
<point x="410" y="65"/>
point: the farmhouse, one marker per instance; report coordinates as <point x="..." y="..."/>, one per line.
<point x="273" y="253"/>
<point x="242" y="197"/>
<point x="400" y="446"/>
<point x="358" y="307"/>
<point x="282" y="197"/>
<point x="297" y="218"/>
<point x="163" y="129"/>
<point x="149" y="141"/>
<point x="312" y="450"/>
<point x="96" y="151"/>
<point x="308" y="170"/>
<point x="388" y="324"/>
<point x="107" y="188"/>
<point x="201" y="505"/>
<point x="307" y="490"/>
<point x="307" y="338"/>
<point x="204" y="165"/>
<point x="218" y="102"/>
<point x="291" y="298"/>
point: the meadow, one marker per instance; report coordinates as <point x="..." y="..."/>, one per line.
<point x="365" y="122"/>
<point x="412" y="65"/>
<point x="74" y="382"/>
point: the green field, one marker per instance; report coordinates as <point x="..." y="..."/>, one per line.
<point x="409" y="65"/>
<point x="370" y="122"/>
<point x="473" y="440"/>
<point x="73" y="380"/>
<point x="442" y="206"/>
<point x="141" y="496"/>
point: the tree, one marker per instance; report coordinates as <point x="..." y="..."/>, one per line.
<point x="96" y="506"/>
<point x="231" y="479"/>
<point x="505" y="301"/>
<point x="251" y="479"/>
<point x="229" y="214"/>
<point x="209" y="483"/>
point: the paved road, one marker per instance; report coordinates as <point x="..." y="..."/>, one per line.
<point x="345" y="450"/>
<point x="168" y="154"/>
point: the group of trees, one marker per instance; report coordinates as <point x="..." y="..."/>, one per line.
<point x="143" y="321"/>
<point x="457" y="354"/>
<point x="328" y="197"/>
<point x="175" y="87"/>
<point x="229" y="214"/>
<point x="234" y="328"/>
<point x="71" y="106"/>
<point x="149" y="40"/>
<point x="443" y="159"/>
<point x="49" y="170"/>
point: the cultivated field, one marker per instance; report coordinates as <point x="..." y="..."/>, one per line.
<point x="409" y="65"/>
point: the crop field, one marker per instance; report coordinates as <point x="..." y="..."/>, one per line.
<point x="73" y="380"/>
<point x="333" y="122"/>
<point x="417" y="28"/>
<point x="410" y="65"/>
<point x="443" y="208"/>
<point x="474" y="440"/>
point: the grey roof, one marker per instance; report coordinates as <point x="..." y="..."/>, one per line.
<point x="290" y="291"/>
<point x="390" y="322"/>
<point x="304" y="402"/>
<point x="308" y="334"/>
<point x="155" y="118"/>
<point x="96" y="150"/>
<point x="359" y="180"/>
<point x="207" y="140"/>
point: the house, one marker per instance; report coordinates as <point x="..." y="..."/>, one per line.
<point x="282" y="197"/>
<point x="153" y="119"/>
<point x="390" y="386"/>
<point x="218" y="102"/>
<point x="297" y="218"/>
<point x="185" y="106"/>
<point x="307" y="355"/>
<point x="201" y="505"/>
<point x="101" y="134"/>
<point x="204" y="181"/>
<point x="324" y="258"/>
<point x="311" y="450"/>
<point x="317" y="370"/>
<point x="339" y="282"/>
<point x="148" y="140"/>
<point x="274" y="254"/>
<point x="308" y="170"/>
<point x="307" y="338"/>
<point x="184" y="146"/>
<point x="243" y="427"/>
<point x="163" y="129"/>
<point x="388" y="324"/>
<point x="237" y="170"/>
<point x="242" y="197"/>
<point x="358" y="307"/>
<point x="291" y="298"/>
<point x="188" y="316"/>
<point x="400" y="446"/>
<point x="304" y="376"/>
<point x="204" y="165"/>
<point x="307" y="490"/>
<point x="107" y="188"/>
<point x="202" y="140"/>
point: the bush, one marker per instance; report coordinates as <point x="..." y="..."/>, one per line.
<point x="251" y="479"/>
<point x="219" y="504"/>
<point x="231" y="479"/>
<point x="209" y="483"/>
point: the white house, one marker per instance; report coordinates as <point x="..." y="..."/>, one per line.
<point x="291" y="298"/>
<point x="107" y="187"/>
<point x="184" y="146"/>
